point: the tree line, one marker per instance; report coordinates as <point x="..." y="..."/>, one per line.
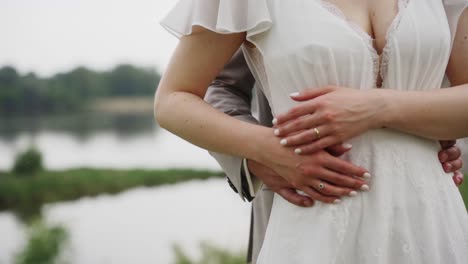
<point x="73" y="90"/>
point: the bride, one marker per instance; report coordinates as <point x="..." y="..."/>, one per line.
<point x="412" y="213"/>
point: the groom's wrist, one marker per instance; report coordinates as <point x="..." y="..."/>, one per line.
<point x="253" y="182"/>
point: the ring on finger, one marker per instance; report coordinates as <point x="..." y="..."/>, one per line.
<point x="317" y="132"/>
<point x="321" y="185"/>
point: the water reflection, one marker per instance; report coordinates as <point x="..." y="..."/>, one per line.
<point x="79" y="125"/>
<point x="141" y="225"/>
<point x="99" y="140"/>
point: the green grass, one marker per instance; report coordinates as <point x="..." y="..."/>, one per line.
<point x="26" y="195"/>
<point x="464" y="191"/>
<point x="210" y="254"/>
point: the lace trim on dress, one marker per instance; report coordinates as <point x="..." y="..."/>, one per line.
<point x="380" y="61"/>
<point x="385" y="57"/>
<point x="335" y="10"/>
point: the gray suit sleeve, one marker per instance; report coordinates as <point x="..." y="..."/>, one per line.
<point x="231" y="93"/>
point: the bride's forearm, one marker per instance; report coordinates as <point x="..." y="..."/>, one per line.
<point x="437" y="114"/>
<point x="191" y="118"/>
<point x="441" y="114"/>
<point x="179" y="105"/>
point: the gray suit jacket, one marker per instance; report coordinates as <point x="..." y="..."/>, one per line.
<point x="233" y="93"/>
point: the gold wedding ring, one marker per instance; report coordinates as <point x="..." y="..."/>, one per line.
<point x="317" y="132"/>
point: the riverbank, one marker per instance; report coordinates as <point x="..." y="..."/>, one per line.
<point x="25" y="195"/>
<point x="124" y="105"/>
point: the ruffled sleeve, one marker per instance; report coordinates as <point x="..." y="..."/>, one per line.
<point x="454" y="9"/>
<point x="221" y="16"/>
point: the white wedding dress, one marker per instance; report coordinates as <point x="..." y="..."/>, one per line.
<point x="413" y="213"/>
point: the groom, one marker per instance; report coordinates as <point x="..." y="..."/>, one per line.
<point x="233" y="93"/>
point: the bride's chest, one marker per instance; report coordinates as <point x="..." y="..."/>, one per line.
<point x="307" y="27"/>
<point x="309" y="39"/>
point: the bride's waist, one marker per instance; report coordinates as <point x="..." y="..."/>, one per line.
<point x="392" y="146"/>
<point x="396" y="159"/>
<point x="394" y="138"/>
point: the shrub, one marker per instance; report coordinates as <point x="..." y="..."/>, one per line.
<point x="28" y="162"/>
<point x="210" y="255"/>
<point x="44" y="244"/>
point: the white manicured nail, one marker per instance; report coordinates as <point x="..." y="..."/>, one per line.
<point x="301" y="193"/>
<point x="365" y="188"/>
<point x="275" y="121"/>
<point x="353" y="193"/>
<point x="277" y="132"/>
<point x="294" y="94"/>
<point x="337" y="201"/>
<point x="367" y="175"/>
<point x="284" y="141"/>
<point x="298" y="151"/>
<point x="347" y="146"/>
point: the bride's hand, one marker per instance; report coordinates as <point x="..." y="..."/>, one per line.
<point x="320" y="175"/>
<point x="329" y="116"/>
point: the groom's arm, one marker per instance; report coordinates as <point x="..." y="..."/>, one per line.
<point x="231" y="93"/>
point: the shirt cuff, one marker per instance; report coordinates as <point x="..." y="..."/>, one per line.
<point x="253" y="182"/>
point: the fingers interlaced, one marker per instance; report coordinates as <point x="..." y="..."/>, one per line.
<point x="447" y="143"/>
<point x="317" y="145"/>
<point x="293" y="197"/>
<point x="293" y="126"/>
<point x="339" y="149"/>
<point x="312" y="93"/>
<point x="458" y="178"/>
<point x="454" y="153"/>
<point x="295" y="112"/>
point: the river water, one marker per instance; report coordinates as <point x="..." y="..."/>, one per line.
<point x="100" y="141"/>
<point x="139" y="225"/>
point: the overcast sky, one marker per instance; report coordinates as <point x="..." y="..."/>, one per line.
<point x="49" y="36"/>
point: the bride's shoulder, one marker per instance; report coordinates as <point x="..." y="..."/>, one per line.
<point x="220" y="16"/>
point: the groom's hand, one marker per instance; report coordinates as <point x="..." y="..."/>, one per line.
<point x="450" y="157"/>
<point x="279" y="185"/>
